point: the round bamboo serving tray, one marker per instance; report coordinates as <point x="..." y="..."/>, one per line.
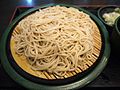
<point x="23" y="63"/>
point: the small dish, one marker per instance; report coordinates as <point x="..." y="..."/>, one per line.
<point x="103" y="10"/>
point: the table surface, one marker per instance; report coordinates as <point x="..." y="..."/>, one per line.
<point x="110" y="77"/>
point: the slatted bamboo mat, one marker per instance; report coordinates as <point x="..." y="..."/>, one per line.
<point x="22" y="62"/>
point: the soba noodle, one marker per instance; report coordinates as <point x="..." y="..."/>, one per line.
<point x="55" y="39"/>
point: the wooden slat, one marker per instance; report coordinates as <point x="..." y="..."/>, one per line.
<point x="96" y="52"/>
<point x="70" y="74"/>
<point x="89" y="63"/>
<point x="94" y="59"/>
<point x="73" y="73"/>
<point x="47" y="75"/>
<point x="40" y="74"/>
<point x="52" y="76"/>
<point x="78" y="70"/>
<point x="83" y="67"/>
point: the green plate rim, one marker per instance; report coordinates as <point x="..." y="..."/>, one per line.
<point x="31" y="85"/>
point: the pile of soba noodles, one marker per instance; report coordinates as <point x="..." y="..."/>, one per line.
<point x="56" y="39"/>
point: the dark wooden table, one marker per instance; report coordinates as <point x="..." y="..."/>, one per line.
<point x="110" y="77"/>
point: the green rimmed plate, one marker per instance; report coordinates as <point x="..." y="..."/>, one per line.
<point x="32" y="85"/>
